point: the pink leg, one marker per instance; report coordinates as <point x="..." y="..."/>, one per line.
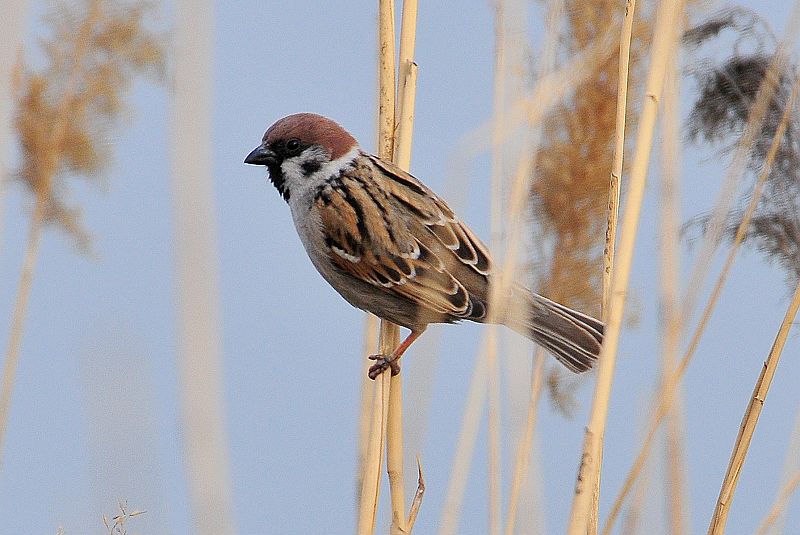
<point x="383" y="362"/>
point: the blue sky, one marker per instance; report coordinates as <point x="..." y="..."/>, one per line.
<point x="95" y="415"/>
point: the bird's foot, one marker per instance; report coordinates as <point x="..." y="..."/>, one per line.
<point x="382" y="362"/>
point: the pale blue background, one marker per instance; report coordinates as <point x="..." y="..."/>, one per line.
<point x="94" y="416"/>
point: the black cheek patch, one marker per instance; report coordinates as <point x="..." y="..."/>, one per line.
<point x="311" y="167"/>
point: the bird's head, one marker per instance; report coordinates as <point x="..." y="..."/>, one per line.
<point x="298" y="146"/>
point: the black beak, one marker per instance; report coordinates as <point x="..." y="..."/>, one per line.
<point x="261" y="155"/>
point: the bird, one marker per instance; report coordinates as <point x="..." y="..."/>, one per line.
<point x="390" y="246"/>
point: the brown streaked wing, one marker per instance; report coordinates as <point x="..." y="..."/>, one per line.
<point x="377" y="247"/>
<point x="434" y="213"/>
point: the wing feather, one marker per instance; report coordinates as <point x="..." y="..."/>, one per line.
<point x="395" y="234"/>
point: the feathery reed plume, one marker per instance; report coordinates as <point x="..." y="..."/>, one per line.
<point x="10" y="52"/>
<point x="727" y="92"/>
<point x="570" y="190"/>
<point x="64" y="118"/>
<point x="669" y="12"/>
<point x="754" y="124"/>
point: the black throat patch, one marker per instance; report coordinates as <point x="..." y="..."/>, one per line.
<point x="278" y="180"/>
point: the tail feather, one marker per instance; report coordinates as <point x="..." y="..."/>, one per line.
<point x="572" y="337"/>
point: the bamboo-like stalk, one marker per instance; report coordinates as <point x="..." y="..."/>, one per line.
<point x="404" y="125"/>
<point x="520" y="470"/>
<point x="25" y="284"/>
<point x="370" y="334"/>
<point x="522" y="459"/>
<point x="389" y="336"/>
<point x="773" y="521"/>
<point x="371" y="475"/>
<point x="496" y="231"/>
<point x="750" y="420"/>
<point x="663" y="43"/>
<point x="667" y="389"/>
<point x="465" y="447"/>
<point x="50" y="168"/>
<point x="674" y="451"/>
<point x="779" y="505"/>
<point x="614" y="190"/>
<point x="633" y="516"/>
<point x="199" y="338"/>
<point x="619" y="149"/>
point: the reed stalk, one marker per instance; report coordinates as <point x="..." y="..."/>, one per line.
<point x="588" y="474"/>
<point x="404" y="125"/>
<point x="395" y="127"/>
<point x="522" y="458"/>
<point x="619" y="149"/>
<point x="389" y="334"/>
<point x="370" y="334"/>
<point x="779" y="505"/>
<point x="750" y="420"/>
<point x="199" y="334"/>
<point x="666" y="391"/>
<point x="48" y="169"/>
<point x="672" y="326"/>
<point x="614" y="190"/>
<point x="496" y="233"/>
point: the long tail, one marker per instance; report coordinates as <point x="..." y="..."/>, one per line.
<point x="571" y="337"/>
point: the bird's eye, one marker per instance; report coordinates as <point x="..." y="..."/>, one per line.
<point x="293" y="146"/>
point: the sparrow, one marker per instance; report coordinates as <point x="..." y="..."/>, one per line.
<point x="390" y="246"/>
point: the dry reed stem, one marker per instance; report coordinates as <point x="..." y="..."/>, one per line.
<point x="663" y="43"/>
<point x="520" y="470"/>
<point x="779" y="505"/>
<point x="404" y="125"/>
<point x="465" y="446"/>
<point x="199" y="339"/>
<point x="371" y="479"/>
<point x="394" y="454"/>
<point x="25" y="283"/>
<point x="370" y="334"/>
<point x="389" y="336"/>
<point x="614" y="189"/>
<point x="417" y="501"/>
<point x="750" y="420"/>
<point x="619" y="149"/>
<point x="496" y="231"/>
<point x="672" y="327"/>
<point x="670" y="383"/>
<point x="522" y="459"/>
<point x="532" y="108"/>
<point x="196" y="257"/>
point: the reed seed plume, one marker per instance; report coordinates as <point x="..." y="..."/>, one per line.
<point x="727" y="90"/>
<point x="64" y="120"/>
<point x="569" y="190"/>
<point x="93" y="52"/>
